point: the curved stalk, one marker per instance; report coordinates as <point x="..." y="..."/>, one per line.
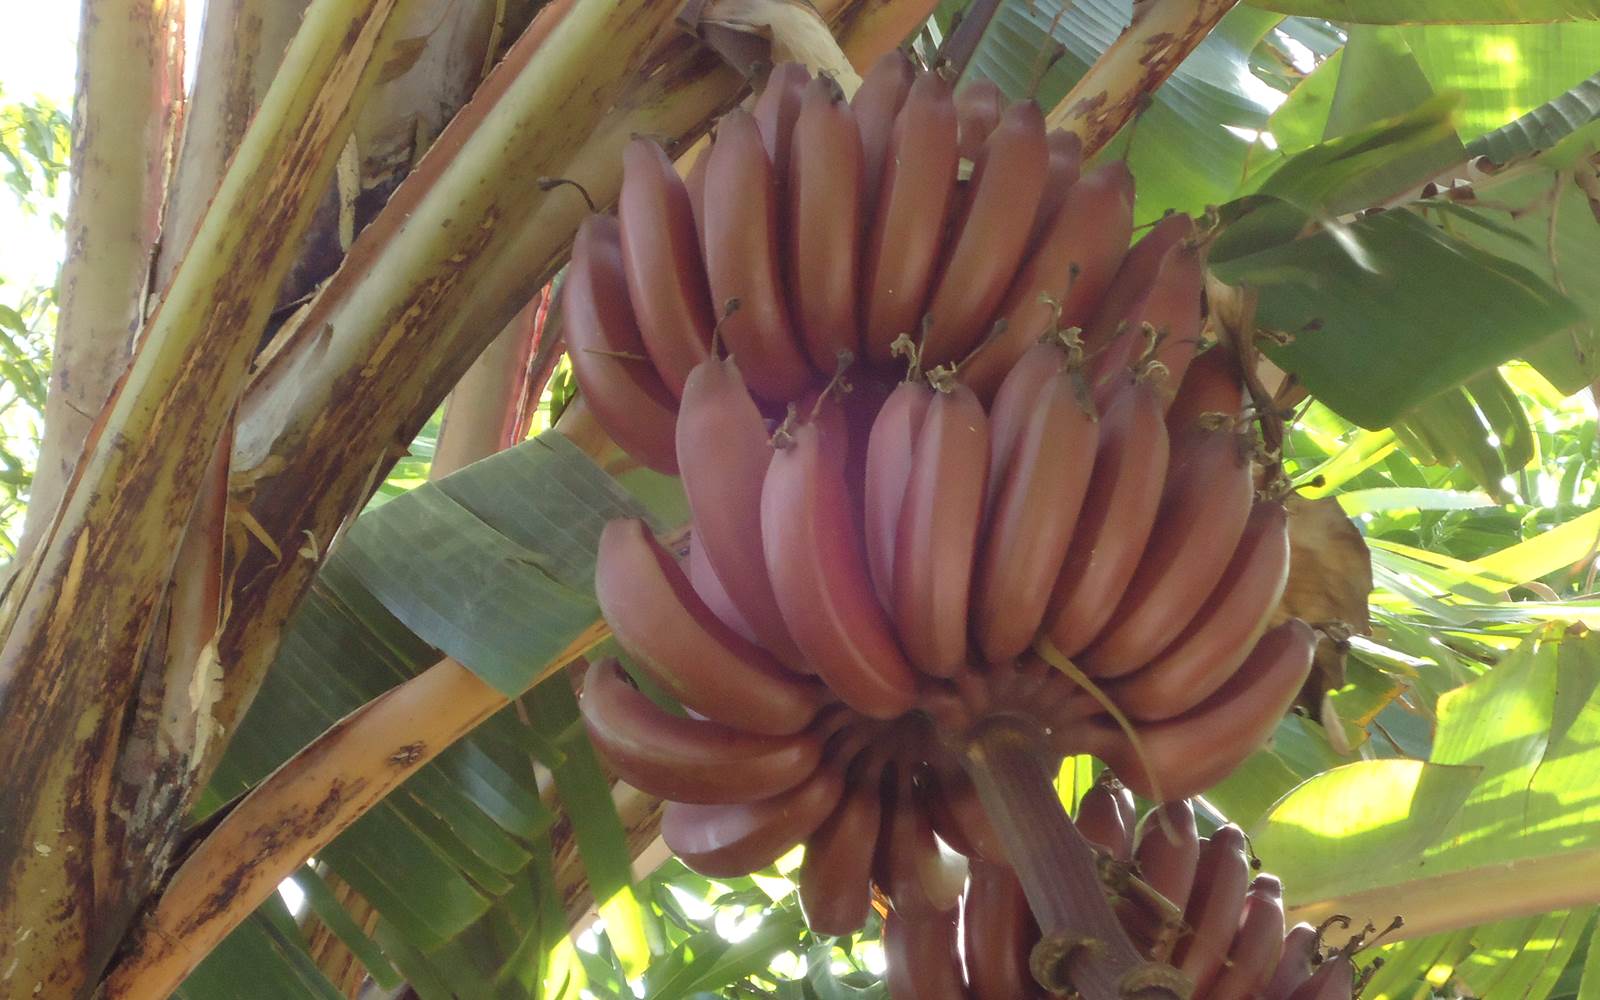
<point x="1117" y="86"/>
<point x="335" y="779"/>
<point x="1084" y="949"/>
<point x="242" y="43"/>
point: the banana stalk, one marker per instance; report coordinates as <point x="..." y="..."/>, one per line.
<point x="124" y="118"/>
<point x="241" y="45"/>
<point x="341" y="775"/>
<point x="1116" y="87"/>
<point x="1084" y="949"/>
<point x="85" y="606"/>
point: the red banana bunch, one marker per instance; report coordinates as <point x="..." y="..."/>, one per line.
<point x="934" y="434"/>
<point x="1214" y="921"/>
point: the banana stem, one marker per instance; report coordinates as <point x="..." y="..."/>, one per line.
<point x="1084" y="949"/>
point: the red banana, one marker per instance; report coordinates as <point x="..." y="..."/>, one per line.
<point x="1221" y="879"/>
<point x="1133" y="279"/>
<point x="1257" y="945"/>
<point x="1073" y="260"/>
<point x="1212" y="385"/>
<point x="1115" y="521"/>
<point x="608" y="355"/>
<point x="836" y="875"/>
<point x="921" y="952"/>
<point x="707" y="666"/>
<point x="1013" y="407"/>
<point x="661" y="254"/>
<point x="1172" y="309"/>
<point x="1235" y="615"/>
<point x="1201" y="747"/>
<point x="1333" y="980"/>
<point x="989" y="235"/>
<point x="1043" y="475"/>
<point x="813" y="548"/>
<point x="706" y="583"/>
<point x="1129" y="809"/>
<point x="979" y="105"/>
<point x="725" y="452"/>
<point x="724" y="841"/>
<point x="688" y="760"/>
<point x="1061" y="172"/>
<point x="695" y="183"/>
<point x="914" y="202"/>
<point x="937" y="537"/>
<point x="775" y="111"/>
<point x="1204" y="508"/>
<point x="824" y="223"/>
<point x="876" y="104"/>
<point x="1167" y="861"/>
<point x="917" y="875"/>
<point x="1295" y="966"/>
<point x="890" y="445"/>
<point x="1000" y="935"/>
<point x="742" y="261"/>
<point x="1101" y="821"/>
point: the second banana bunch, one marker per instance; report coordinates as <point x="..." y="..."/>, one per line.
<point x="1195" y="903"/>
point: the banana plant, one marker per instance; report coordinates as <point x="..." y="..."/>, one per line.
<point x="269" y="296"/>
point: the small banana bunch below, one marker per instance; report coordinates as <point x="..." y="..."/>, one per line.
<point x="1197" y="906"/>
<point x="1027" y="497"/>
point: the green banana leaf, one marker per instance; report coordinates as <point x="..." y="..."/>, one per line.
<point x="493" y="566"/>
<point x="1441" y="11"/>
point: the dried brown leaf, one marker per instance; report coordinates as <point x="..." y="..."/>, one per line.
<point x="1330" y="576"/>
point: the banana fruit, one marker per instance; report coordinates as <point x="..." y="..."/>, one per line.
<point x="824" y="198"/>
<point x="1115" y="522"/>
<point x="992" y="227"/>
<point x="729" y="839"/>
<point x="1226" y="937"/>
<point x="1204" y="508"/>
<point x="1040" y="473"/>
<point x="658" y="618"/>
<point x="608" y="354"/>
<point x="742" y="261"/>
<point x="661" y="258"/>
<point x="812" y="542"/>
<point x="687" y="760"/>
<point x="914" y="199"/>
<point x="1075" y="257"/>
<point x="1235" y="615"/>
<point x="723" y="442"/>
<point x="937" y="535"/>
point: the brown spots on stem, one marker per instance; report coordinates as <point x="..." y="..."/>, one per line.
<point x="1157" y="49"/>
<point x="409" y="754"/>
<point x="1089" y="107"/>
